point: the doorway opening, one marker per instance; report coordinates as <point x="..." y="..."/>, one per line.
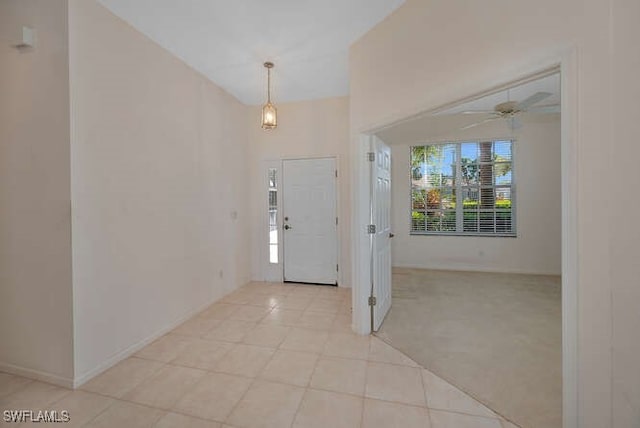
<point x="429" y="219"/>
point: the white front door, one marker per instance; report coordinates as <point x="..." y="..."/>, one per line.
<point x="381" y="218"/>
<point x="310" y="221"/>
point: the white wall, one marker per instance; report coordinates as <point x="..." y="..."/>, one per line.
<point x="430" y="53"/>
<point x="535" y="250"/>
<point x="317" y="128"/>
<point x="35" y="224"/>
<point x="158" y="175"/>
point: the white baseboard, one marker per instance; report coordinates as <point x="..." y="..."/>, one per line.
<point x="127" y="352"/>
<point x="472" y="268"/>
<point x="62" y="381"/>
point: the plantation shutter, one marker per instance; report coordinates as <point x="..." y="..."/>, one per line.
<point x="463" y="188"/>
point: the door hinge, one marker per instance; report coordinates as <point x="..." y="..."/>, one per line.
<point x="371" y="229"/>
<point x="372" y="301"/>
<point x="371" y="156"/>
<point x="337" y="268"/>
<point x="336" y="221"/>
<point x="336" y="173"/>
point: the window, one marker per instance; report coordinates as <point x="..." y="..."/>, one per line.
<point x="478" y="174"/>
<point x="273" y="215"/>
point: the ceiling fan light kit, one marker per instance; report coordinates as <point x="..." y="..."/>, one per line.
<point x="269" y="111"/>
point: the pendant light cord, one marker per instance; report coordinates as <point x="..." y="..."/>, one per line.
<point x="269" y="85"/>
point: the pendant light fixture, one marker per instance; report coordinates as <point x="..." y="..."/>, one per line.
<point x="269" y="113"/>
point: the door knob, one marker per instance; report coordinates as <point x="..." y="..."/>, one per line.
<point x="391" y="235"/>
<point x="287" y="227"/>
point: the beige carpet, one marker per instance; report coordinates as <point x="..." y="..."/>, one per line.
<point x="495" y="336"/>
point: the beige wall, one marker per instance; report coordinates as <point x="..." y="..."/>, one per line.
<point x="35" y="224"/>
<point x="430" y="53"/>
<point x="159" y="164"/>
<point x="317" y="128"/>
<point x="625" y="237"/>
<point x="159" y="161"/>
<point x="535" y="250"/>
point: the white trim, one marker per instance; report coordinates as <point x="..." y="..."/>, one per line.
<point x="53" y="379"/>
<point x="361" y="274"/>
<point x="566" y="63"/>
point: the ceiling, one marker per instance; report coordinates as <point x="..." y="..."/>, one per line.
<point x="448" y="122"/>
<point x="228" y="41"/>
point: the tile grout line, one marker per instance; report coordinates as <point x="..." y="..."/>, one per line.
<point x="253" y="381"/>
<point x="364" y="392"/>
<point x="180" y="412"/>
<point x="285" y="384"/>
<point x="306" y="388"/>
<point x="121" y="400"/>
<point x="426" y="398"/>
<point x="20" y="388"/>
<point x="99" y="413"/>
<point x="172" y="363"/>
<point x="152" y="373"/>
<point x="459" y="412"/>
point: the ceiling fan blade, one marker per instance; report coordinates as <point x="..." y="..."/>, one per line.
<point x="533" y="99"/>
<point x="551" y="108"/>
<point x="478" y="112"/>
<point x="479" y="123"/>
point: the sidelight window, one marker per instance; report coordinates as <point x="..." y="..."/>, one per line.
<point x="273" y="215"/>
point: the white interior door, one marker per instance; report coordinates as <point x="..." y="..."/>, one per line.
<point x="381" y="218"/>
<point x="310" y="221"/>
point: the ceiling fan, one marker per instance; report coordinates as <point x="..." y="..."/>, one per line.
<point x="511" y="109"/>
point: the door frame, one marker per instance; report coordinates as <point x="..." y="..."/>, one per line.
<point x="566" y="63"/>
<point x="272" y="272"/>
<point x="334" y="183"/>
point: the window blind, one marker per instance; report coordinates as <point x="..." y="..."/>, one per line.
<point x="463" y="188"/>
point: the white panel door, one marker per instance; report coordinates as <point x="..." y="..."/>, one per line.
<point x="381" y="212"/>
<point x="310" y="222"/>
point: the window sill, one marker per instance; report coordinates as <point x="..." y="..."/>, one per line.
<point x="476" y="235"/>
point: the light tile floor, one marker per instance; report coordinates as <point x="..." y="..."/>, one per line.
<point x="267" y="355"/>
